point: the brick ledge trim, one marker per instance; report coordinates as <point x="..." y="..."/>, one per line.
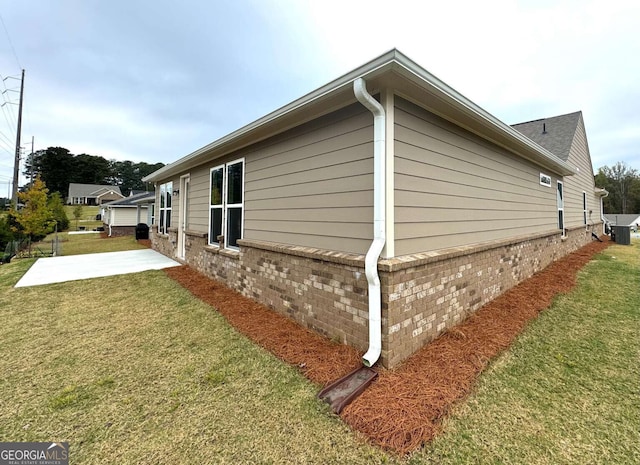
<point x="408" y="261"/>
<point x="195" y="233"/>
<point x="331" y="256"/>
<point x="392" y="264"/>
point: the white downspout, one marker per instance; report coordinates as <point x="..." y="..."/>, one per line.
<point x="602" y="218"/>
<point x="371" y="259"/>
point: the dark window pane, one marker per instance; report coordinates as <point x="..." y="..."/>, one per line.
<point x="216" y="187"/>
<point x="162" y="195"/>
<point x="560" y="219"/>
<point x="168" y="220"/>
<point x="161" y="226"/>
<point x="234" y="226"/>
<point x="216" y="225"/>
<point x="234" y="183"/>
<point x="169" y="194"/>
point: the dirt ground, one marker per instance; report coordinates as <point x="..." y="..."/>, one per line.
<point x="404" y="407"/>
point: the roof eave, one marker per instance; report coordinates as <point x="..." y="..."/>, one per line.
<point x="513" y="140"/>
<point x="494" y="129"/>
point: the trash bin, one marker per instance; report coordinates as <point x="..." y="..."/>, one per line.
<point x="622" y="235"/>
<point x="142" y="231"/>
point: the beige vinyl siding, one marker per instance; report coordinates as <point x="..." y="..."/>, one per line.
<point x="198" y="214"/>
<point x="313" y="186"/>
<point x="582" y="182"/>
<point x="453" y="188"/>
<point x="123" y="216"/>
<point x="310" y="186"/>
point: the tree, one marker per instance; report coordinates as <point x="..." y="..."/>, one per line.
<point x="128" y="175"/>
<point x="58" y="167"/>
<point x="56" y="205"/>
<point x="77" y="214"/>
<point x="90" y="169"/>
<point x="623" y="184"/>
<point x="35" y="218"/>
<point x="55" y="166"/>
<point x="6" y="234"/>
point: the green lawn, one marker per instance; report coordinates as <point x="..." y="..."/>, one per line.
<point x="77" y="244"/>
<point x="87" y="218"/>
<point x="133" y="369"/>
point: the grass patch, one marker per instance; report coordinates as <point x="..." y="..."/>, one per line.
<point x="79" y="244"/>
<point x="152" y="375"/>
<point x="88" y="218"/>
<point x="567" y="391"/>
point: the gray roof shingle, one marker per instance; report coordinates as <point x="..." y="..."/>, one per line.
<point x="132" y="200"/>
<point x="90" y="190"/>
<point x="554" y="134"/>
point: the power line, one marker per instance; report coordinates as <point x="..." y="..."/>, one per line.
<point x="10" y="43"/>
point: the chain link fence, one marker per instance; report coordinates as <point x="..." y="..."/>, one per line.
<point x="28" y="249"/>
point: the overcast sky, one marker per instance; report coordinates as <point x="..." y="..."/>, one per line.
<point x="155" y="80"/>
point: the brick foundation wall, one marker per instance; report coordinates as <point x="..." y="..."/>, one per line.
<point x="117" y="231"/>
<point x="425" y="294"/>
<point x="422" y="294"/>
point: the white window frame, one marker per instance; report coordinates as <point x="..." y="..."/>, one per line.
<point x="225" y="206"/>
<point x="545" y="180"/>
<point x="560" y="203"/>
<point x="164" y="212"/>
<point x="584" y="207"/>
<point x="214" y="240"/>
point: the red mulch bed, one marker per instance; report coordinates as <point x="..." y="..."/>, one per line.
<point x="403" y="408"/>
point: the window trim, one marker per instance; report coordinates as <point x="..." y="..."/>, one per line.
<point x="164" y="212"/>
<point x="214" y="241"/>
<point x="225" y="206"/>
<point x="545" y="180"/>
<point x="560" y="204"/>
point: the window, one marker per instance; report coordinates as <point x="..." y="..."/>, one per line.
<point x="560" y="202"/>
<point x="584" y="207"/>
<point x="226" y="203"/>
<point x="545" y="180"/>
<point x="215" y="204"/>
<point x="164" y="212"/>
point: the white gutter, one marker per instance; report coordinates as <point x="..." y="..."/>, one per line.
<point x="371" y="259"/>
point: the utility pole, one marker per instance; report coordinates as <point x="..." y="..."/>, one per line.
<point x="32" y="139"/>
<point x="16" y="164"/>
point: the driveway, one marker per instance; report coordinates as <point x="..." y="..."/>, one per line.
<point x="75" y="267"/>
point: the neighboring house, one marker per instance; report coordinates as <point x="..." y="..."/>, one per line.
<point x="377" y="224"/>
<point x="121" y="217"/>
<point x="92" y="194"/>
<point x="632" y="220"/>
